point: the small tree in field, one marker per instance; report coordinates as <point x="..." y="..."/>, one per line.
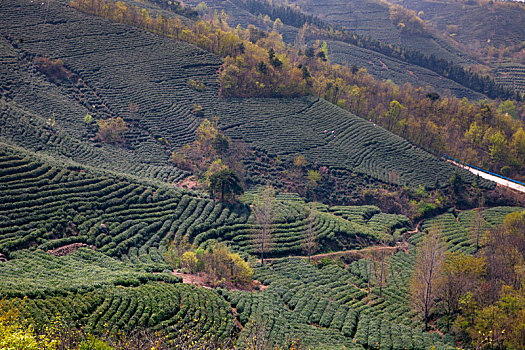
<point x="310" y="244"/>
<point x="225" y="184"/>
<point x="264" y="212"/>
<point x="476" y="228"/>
<point x="380" y="266"/>
<point x="429" y="261"/>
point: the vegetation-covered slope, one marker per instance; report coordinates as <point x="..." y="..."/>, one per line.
<point x="116" y="64"/>
<point x="48" y="205"/>
<point x="492" y="31"/>
<point x="92" y="226"/>
<point x="381" y="67"/>
<point x="330" y="307"/>
<point x="374" y="19"/>
<point x="482" y="27"/>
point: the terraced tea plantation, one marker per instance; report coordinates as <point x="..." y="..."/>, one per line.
<point x="460" y="230"/>
<point x="511" y="75"/>
<point x="91" y="290"/>
<point x="372" y="18"/>
<point x="383" y="68"/>
<point x="49" y="205"/>
<point x="331" y="305"/>
<point x="85" y="224"/>
<point x="162" y="120"/>
<point x="52" y="205"/>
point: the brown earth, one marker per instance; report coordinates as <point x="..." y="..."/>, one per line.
<point x="188" y="183"/>
<point x="203" y="280"/>
<point x="70" y="248"/>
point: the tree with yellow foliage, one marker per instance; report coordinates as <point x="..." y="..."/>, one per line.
<point x="16" y="332"/>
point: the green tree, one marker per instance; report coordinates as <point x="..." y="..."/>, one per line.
<point x="225" y="184"/>
<point x="313" y="176"/>
<point x="518" y="145"/>
<point x="15" y="333"/>
<point x="393" y="113"/>
<point x="189" y="261"/>
<point x="497" y="143"/>
<point x="507" y="107"/>
<point x="474" y="134"/>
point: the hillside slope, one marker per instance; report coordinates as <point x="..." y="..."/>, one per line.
<point x="116" y="68"/>
<point x="380" y="66"/>
<point x="372" y="18"/>
<point x="492" y="31"/>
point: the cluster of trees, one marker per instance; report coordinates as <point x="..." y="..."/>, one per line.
<point x="214" y="159"/>
<point x="285" y="14"/>
<point x="480" y="298"/>
<point x="217" y="262"/>
<point x="407" y="20"/>
<point x="261" y="65"/>
<point x="53" y="69"/>
<point x="464" y="76"/>
<point x="263" y="70"/>
<point x="110" y="130"/>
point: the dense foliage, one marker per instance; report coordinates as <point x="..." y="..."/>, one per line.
<point x="476" y="288"/>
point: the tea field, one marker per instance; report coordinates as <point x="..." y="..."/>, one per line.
<point x="383" y="67"/>
<point x="48" y="205"/>
<point x="162" y="119"/>
<point x="85" y="225"/>
<point x="460" y="230"/>
<point x="105" y="296"/>
<point x="372" y="19"/>
<point x="377" y="64"/>
<point x="511" y="75"/>
<point x="331" y="305"/>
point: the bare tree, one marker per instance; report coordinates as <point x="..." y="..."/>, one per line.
<point x="476" y="227"/>
<point x="264" y="212"/>
<point x="429" y="260"/>
<point x="310" y="244"/>
<point x="380" y="267"/>
<point x="377" y="267"/>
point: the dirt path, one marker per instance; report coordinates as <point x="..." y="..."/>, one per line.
<point x="498" y="180"/>
<point x="202" y="280"/>
<point x="401" y="246"/>
<point x="192" y="279"/>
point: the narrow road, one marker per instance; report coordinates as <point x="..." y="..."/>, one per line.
<point x="498" y="180"/>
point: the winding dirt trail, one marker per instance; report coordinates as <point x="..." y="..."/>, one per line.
<point x="400" y="246"/>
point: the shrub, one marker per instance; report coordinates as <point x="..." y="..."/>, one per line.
<point x="112" y="130"/>
<point x="189" y="261"/>
<point x="53" y="69"/>
<point x="196" y="85"/>
<point x="15" y="333"/>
